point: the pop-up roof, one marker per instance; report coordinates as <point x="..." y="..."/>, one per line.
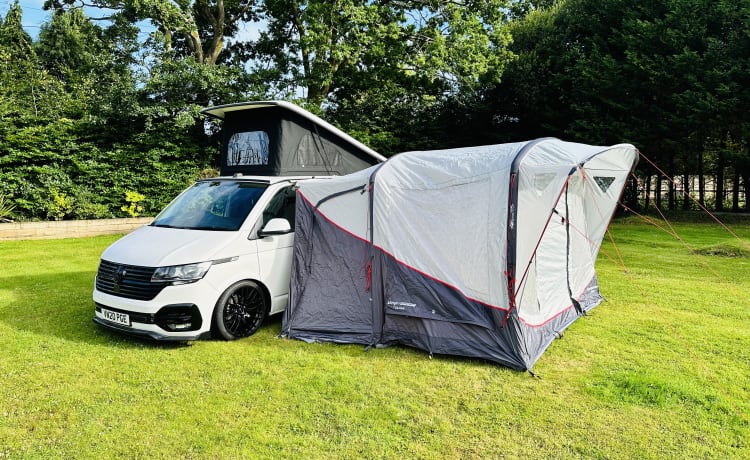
<point x="277" y="138"/>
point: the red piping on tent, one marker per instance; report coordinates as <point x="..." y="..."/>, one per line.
<point x="322" y="214"/>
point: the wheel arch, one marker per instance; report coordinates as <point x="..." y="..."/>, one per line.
<point x="261" y="285"/>
<point x="218" y="328"/>
<point x="264" y="290"/>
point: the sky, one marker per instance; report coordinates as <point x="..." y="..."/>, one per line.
<point x="34" y="16"/>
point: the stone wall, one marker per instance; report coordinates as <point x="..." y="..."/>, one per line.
<point x="69" y="228"/>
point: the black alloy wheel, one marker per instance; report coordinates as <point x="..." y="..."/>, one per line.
<point x="240" y="311"/>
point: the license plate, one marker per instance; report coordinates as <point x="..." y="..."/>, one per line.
<point x="115" y="317"/>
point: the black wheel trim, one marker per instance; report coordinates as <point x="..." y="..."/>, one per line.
<point x="243" y="311"/>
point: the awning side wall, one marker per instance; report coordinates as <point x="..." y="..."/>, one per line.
<point x="329" y="296"/>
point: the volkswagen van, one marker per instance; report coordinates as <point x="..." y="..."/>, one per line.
<point x="217" y="260"/>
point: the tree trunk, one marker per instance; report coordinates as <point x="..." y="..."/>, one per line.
<point x="634" y="193"/>
<point x="736" y="191"/>
<point x="701" y="181"/>
<point x="719" y="192"/>
<point x="745" y="183"/>
<point x="217" y="41"/>
<point x="647" y="200"/>
<point x="685" y="192"/>
<point x="671" y="192"/>
<point x="657" y="191"/>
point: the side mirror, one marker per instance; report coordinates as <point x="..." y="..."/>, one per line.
<point x="276" y="226"/>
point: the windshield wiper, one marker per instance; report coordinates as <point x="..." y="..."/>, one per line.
<point x="166" y="226"/>
<point x="212" y="227"/>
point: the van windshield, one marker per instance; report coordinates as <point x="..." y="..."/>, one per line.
<point x="211" y="205"/>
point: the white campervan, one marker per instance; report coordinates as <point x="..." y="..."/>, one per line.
<point x="217" y="260"/>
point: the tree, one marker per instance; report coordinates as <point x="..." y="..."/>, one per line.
<point x="28" y="91"/>
<point x="195" y="28"/>
<point x="382" y="69"/>
<point x="13" y="38"/>
<point x="70" y="44"/>
<point x="311" y="45"/>
<point x="78" y="130"/>
<point x="668" y="76"/>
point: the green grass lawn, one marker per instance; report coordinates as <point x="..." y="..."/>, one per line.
<point x="661" y="370"/>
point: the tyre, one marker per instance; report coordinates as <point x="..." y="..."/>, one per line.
<point x="240" y="311"/>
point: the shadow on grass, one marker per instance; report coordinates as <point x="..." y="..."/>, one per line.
<point x="61" y="305"/>
<point x="268" y="338"/>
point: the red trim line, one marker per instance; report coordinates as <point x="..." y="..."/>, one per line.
<point x="485" y="304"/>
<point x="365" y="240"/>
<point x="558" y="314"/>
<point x="328" y="219"/>
<point x="450" y="286"/>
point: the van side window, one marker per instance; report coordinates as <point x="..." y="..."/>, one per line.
<point x="281" y="206"/>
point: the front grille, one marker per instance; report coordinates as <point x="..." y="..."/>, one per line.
<point x="127" y="281"/>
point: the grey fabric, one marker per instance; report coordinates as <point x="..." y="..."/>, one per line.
<point x="537" y="339"/>
<point x="430" y="315"/>
<point x="328" y="298"/>
<point x="297" y="145"/>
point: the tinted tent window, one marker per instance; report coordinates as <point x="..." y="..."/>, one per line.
<point x="316" y="151"/>
<point x="248" y="148"/>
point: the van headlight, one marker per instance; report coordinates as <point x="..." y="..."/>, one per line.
<point x="181" y="274"/>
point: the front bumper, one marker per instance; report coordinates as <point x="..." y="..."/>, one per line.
<point x="149" y="334"/>
<point x="179" y="322"/>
